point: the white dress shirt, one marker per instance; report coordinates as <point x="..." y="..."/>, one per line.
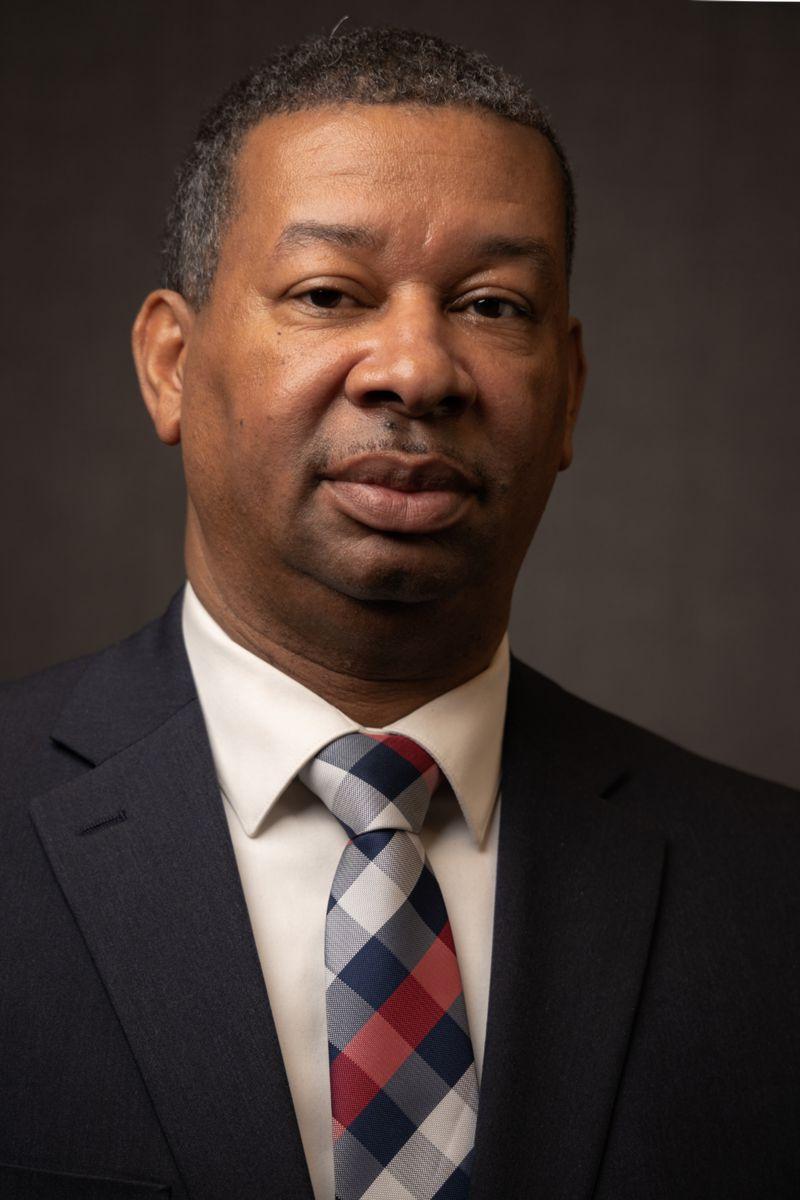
<point x="263" y="727"/>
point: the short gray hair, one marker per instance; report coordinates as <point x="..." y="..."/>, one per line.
<point x="362" y="66"/>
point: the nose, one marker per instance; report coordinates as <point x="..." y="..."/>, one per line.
<point x="409" y="366"/>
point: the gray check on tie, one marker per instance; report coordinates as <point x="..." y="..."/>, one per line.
<point x="404" y="1091"/>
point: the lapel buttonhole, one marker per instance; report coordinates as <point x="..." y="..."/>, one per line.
<point x="114" y="820"/>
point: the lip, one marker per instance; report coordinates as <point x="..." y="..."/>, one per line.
<point x="393" y="493"/>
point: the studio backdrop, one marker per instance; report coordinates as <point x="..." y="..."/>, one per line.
<point x="663" y="581"/>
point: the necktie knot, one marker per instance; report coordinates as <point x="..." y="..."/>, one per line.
<point x="374" y="781"/>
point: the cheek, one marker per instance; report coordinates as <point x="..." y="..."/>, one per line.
<point x="253" y="403"/>
<point x="524" y="422"/>
<point x="275" y="380"/>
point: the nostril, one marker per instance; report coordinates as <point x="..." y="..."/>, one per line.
<point x="451" y="404"/>
<point x="381" y="397"/>
<point x="414" y="406"/>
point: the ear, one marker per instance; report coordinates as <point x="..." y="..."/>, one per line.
<point x="576" y="378"/>
<point x="160" y="341"/>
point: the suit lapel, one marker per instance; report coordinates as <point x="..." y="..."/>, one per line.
<point x="141" y="849"/>
<point x="577" y="894"/>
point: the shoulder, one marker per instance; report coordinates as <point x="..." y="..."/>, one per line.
<point x="66" y="718"/>
<point x="29" y="709"/>
<point x="672" y="787"/>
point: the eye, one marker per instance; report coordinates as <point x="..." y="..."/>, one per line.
<point x="325" y="297"/>
<point x="495" y="307"/>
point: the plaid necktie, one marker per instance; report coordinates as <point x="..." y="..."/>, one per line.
<point x="403" y="1085"/>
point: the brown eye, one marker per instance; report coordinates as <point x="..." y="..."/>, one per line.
<point x="493" y="307"/>
<point x="324" y="297"/>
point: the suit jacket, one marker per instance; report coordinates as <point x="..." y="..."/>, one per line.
<point x="642" y="1036"/>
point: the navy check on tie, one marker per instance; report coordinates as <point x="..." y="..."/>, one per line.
<point x="404" y="1091"/>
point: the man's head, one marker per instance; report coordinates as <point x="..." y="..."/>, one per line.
<point x="365" y="346"/>
<point x="365" y="66"/>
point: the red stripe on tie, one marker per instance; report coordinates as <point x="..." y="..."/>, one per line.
<point x="437" y="972"/>
<point x="338" y="1130"/>
<point x="410" y="751"/>
<point x="351" y="1090"/>
<point x="446" y="935"/>
<point x="378" y="1049"/>
<point x="411" y="1011"/>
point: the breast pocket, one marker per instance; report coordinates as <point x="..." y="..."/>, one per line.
<point x="31" y="1183"/>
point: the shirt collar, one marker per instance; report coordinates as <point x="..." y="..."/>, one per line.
<point x="263" y="725"/>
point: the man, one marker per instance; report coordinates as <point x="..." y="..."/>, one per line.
<point x="312" y="853"/>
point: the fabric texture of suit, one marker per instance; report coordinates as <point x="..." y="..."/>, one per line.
<point x="643" y="1037"/>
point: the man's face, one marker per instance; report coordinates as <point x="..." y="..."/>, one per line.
<point x="380" y="390"/>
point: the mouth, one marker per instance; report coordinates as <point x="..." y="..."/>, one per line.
<point x="394" y="493"/>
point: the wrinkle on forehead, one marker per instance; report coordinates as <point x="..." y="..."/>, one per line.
<point x="409" y="176"/>
<point x="395" y="142"/>
<point x="478" y="247"/>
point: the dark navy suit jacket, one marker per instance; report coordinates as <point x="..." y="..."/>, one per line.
<point x="643" y="1035"/>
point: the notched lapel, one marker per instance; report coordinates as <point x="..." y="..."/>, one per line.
<point x="577" y="895"/>
<point x="141" y="849"/>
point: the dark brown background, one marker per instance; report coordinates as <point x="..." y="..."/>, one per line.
<point x="663" y="583"/>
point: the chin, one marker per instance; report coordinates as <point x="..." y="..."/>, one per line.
<point x="393" y="585"/>
<point x="392" y="569"/>
<point x="394" y="574"/>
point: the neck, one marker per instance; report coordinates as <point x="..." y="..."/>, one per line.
<point x="376" y="665"/>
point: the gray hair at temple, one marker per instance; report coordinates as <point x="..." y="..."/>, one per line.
<point x="363" y="66"/>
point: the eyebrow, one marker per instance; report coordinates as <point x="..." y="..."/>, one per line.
<point x="348" y="237"/>
<point x="536" y="250"/>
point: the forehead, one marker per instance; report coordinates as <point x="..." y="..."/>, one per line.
<point x="416" y="176"/>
